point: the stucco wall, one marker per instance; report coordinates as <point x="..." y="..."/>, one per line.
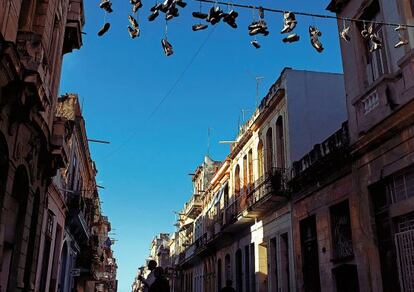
<point x="316" y="108"/>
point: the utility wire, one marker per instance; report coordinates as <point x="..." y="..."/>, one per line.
<point x="307" y="14"/>
<point x="168" y="93"/>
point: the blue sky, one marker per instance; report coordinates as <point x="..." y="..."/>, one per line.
<point x="121" y="81"/>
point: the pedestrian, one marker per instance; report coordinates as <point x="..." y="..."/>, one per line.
<point x="161" y="283"/>
<point x="228" y="288"/>
<point x="150" y="278"/>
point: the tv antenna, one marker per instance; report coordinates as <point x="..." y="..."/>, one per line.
<point x="258" y="80"/>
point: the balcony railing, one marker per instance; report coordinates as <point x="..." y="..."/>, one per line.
<point x="327" y="161"/>
<point x="272" y="184"/>
<point x="335" y="144"/>
<point x="194" y="207"/>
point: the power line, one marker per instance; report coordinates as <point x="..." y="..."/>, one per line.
<point x="306" y="13"/>
<point x="168" y="94"/>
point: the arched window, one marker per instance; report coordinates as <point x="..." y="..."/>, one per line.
<point x="245" y="177"/>
<point x="239" y="271"/>
<point x="250" y="166"/>
<point x="219" y="280"/>
<point x="260" y="159"/>
<point x="15" y="226"/>
<point x="269" y="150"/>
<point x="4" y="166"/>
<point x="227" y="266"/>
<point x="237" y="180"/>
<point x="280" y="143"/>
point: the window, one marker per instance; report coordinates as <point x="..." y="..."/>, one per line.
<point x="284" y="261"/>
<point x="370" y="102"/>
<point x="250" y="166"/>
<point x="260" y="159"/>
<point x="239" y="270"/>
<point x="49" y="224"/>
<point x="404" y="239"/>
<point x="412" y="7"/>
<point x="401" y="187"/>
<point x="252" y="268"/>
<point x="310" y="257"/>
<point x="376" y="61"/>
<point x="245" y="175"/>
<point x="273" y="265"/>
<point x="227" y="266"/>
<point x="219" y="280"/>
<point x="269" y="149"/>
<point x="237" y="180"/>
<point x="247" y="267"/>
<point x="280" y="142"/>
<point x="341" y="231"/>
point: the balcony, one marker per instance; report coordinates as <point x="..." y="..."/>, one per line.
<point x="322" y="162"/>
<point x="60" y="135"/>
<point x="73" y="30"/>
<point x="269" y="192"/>
<point x="266" y="194"/>
<point x="193" y="207"/>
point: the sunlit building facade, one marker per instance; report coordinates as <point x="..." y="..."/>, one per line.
<point x="237" y="225"/>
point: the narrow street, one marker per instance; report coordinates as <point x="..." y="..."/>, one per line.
<point x="206" y="146"/>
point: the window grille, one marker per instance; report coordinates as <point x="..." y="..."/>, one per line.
<point x="401" y="187"/>
<point x="341" y="231"/>
<point x="404" y="242"/>
<point x="370" y="102"/>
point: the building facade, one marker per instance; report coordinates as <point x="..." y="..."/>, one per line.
<point x="380" y="103"/>
<point x="34" y="36"/>
<point x="48" y="198"/>
<point x="237" y="225"/>
<point x="87" y="262"/>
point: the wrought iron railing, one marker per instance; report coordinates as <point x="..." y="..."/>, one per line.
<point x="194" y="202"/>
<point x="336" y="143"/>
<point x="273" y="183"/>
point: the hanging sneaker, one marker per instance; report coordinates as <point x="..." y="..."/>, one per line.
<point x="402" y="41"/>
<point x="345" y="34"/>
<point x="172" y="12"/>
<point x="230" y="18"/>
<point x="257" y="27"/>
<point x="167" y="47"/>
<point x="199" y="26"/>
<point x="153" y="15"/>
<point x="133" y="21"/>
<point x="166" y="5"/>
<point x="199" y="15"/>
<point x="255" y="44"/>
<point x="376" y="43"/>
<point x="289" y="22"/>
<point x="133" y="33"/>
<point x="314" y="35"/>
<point x="136" y="6"/>
<point x="215" y="14"/>
<point x="180" y="3"/>
<point x="366" y="32"/>
<point x="253" y="25"/>
<point x="104" y="29"/>
<point x="291" y="38"/>
<point x="106" y="5"/>
<point x="156" y="7"/>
